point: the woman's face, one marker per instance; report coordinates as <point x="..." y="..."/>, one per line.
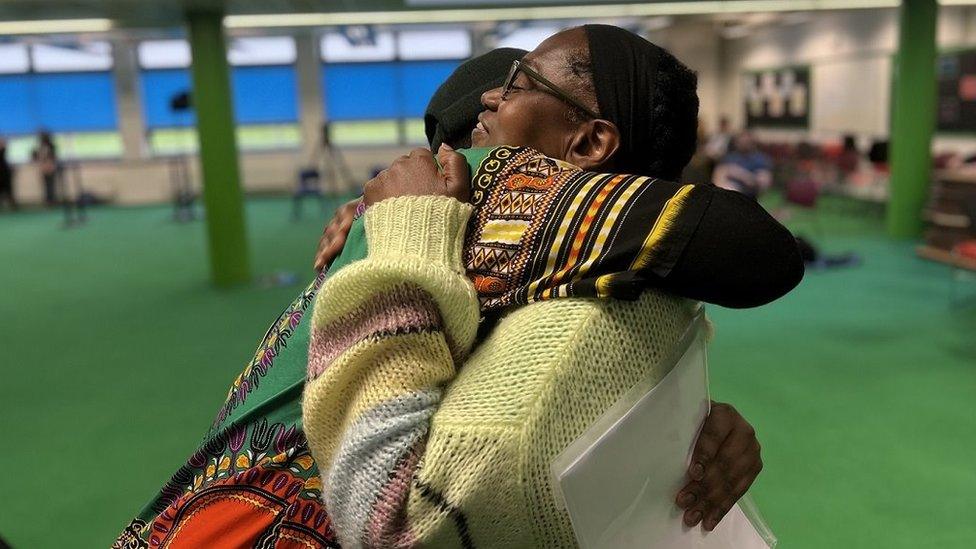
<point x="529" y="115"/>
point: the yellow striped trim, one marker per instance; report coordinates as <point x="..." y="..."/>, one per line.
<point x="607" y="226"/>
<point x="603" y="285"/>
<point x="585" y="228"/>
<point x="662" y="225"/>
<point x="563" y="229"/>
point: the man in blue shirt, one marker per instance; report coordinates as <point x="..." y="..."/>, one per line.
<point x="745" y="169"/>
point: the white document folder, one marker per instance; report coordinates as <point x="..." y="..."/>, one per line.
<point x="618" y="481"/>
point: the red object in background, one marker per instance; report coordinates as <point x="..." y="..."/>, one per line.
<point x="832" y="150"/>
<point x="967" y="87"/>
<point x="941" y="161"/>
<point x="803" y="192"/>
<point x="966" y="248"/>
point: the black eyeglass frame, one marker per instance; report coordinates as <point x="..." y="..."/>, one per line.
<point x="555" y="90"/>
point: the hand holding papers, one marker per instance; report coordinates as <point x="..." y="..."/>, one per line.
<point x="619" y="478"/>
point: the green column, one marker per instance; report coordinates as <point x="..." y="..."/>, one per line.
<point x="913" y="117"/>
<point x="222" y="194"/>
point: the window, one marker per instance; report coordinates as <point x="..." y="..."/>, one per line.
<point x="434" y="44"/>
<point x="65" y="88"/>
<point x="14" y="58"/>
<point x="376" y="84"/>
<point x="263" y="82"/>
<point x="524" y="37"/>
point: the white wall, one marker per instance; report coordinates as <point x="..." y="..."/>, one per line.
<point x="850" y="55"/>
<point x="697" y="44"/>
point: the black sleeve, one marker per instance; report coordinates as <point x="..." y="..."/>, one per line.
<point x="738" y="256"/>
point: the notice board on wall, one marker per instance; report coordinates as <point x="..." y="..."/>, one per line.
<point x="956" y="74"/>
<point x="777" y="98"/>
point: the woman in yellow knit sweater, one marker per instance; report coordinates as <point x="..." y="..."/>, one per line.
<point x="415" y="452"/>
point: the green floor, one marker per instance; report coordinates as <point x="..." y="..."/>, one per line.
<point x="117" y="353"/>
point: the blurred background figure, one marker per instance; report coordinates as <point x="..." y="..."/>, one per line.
<point x="849" y="161"/>
<point x="45" y="156"/>
<point x="701" y="165"/>
<point x="745" y="168"/>
<point x="6" y="178"/>
<point x="718" y="143"/>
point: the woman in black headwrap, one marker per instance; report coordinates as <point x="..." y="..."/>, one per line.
<point x="471" y="468"/>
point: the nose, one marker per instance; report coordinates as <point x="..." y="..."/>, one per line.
<point x="491" y="98"/>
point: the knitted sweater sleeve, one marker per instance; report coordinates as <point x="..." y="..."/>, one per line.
<point x="387" y="332"/>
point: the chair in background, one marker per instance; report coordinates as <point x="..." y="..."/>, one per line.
<point x="309" y="186"/>
<point x="181" y="184"/>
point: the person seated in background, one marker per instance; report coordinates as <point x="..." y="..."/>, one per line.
<point x="253" y="477"/>
<point x="745" y="169"/>
<point x="6" y="178"/>
<point x="564" y="265"/>
<point x="849" y="160"/>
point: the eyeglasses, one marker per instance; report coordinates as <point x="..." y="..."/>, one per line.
<point x="517" y="67"/>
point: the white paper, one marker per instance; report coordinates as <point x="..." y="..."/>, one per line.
<point x="619" y="480"/>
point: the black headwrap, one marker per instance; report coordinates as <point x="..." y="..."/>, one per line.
<point x="625" y="70"/>
<point x="453" y="110"/>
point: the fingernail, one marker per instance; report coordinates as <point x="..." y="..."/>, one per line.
<point x="697" y="471"/>
<point x="695" y="517"/>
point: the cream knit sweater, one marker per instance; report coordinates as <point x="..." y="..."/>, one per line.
<point x="418" y="451"/>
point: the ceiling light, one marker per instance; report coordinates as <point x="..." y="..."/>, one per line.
<point x="55" y="26"/>
<point x="546" y="12"/>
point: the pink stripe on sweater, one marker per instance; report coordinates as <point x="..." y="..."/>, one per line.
<point x="404" y="309"/>
<point x="388" y="524"/>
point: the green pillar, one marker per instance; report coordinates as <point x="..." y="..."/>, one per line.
<point x="222" y="194"/>
<point x="913" y="118"/>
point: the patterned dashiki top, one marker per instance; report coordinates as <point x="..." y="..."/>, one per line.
<point x="252" y="481"/>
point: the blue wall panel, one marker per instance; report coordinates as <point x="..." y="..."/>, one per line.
<point x="76" y="101"/>
<point x="265" y="95"/>
<point x="158" y="87"/>
<point x="394" y="89"/>
<point x="65" y="102"/>
<point x="19" y="114"/>
<point x="262" y="95"/>
<point x="419" y="80"/>
<point x="360" y="91"/>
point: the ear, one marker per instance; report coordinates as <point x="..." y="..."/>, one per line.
<point x="593" y="145"/>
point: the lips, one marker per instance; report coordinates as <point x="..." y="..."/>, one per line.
<point x="481" y="126"/>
